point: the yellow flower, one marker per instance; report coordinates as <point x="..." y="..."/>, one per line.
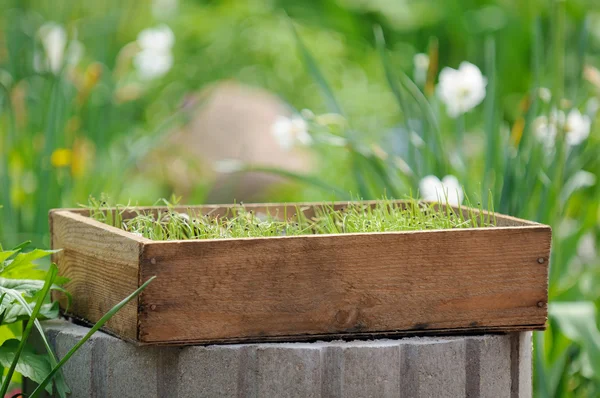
<point x="83" y="152"/>
<point x="61" y="157"/>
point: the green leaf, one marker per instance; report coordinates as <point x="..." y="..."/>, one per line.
<point x="30" y="364"/>
<point x="4" y="255"/>
<point x="17" y="312"/>
<point x="61" y="385"/>
<point x="52" y="272"/>
<point x="29" y="287"/>
<point x="89" y="334"/>
<point x="22" y="263"/>
<point x="21" y="246"/>
<point x="577" y="321"/>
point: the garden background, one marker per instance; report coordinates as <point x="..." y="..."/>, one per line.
<point x="260" y="100"/>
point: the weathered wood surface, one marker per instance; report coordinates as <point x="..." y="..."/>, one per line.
<point x="308" y="287"/>
<point x="257" y="288"/>
<point x="102" y="264"/>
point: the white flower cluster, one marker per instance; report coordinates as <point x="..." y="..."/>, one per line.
<point x="155" y="57"/>
<point x="291" y="130"/>
<point x="575" y="126"/>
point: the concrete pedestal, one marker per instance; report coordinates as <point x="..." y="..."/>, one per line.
<point x="474" y="366"/>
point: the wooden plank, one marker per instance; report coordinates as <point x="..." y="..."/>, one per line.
<point x="265" y="288"/>
<point x="102" y="264"/>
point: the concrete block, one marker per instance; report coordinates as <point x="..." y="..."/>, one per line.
<point x="79" y="369"/>
<point x="433" y="368"/>
<point x="462" y="366"/>
<point x="288" y="370"/>
<point x="123" y="370"/>
<point x="521" y="364"/>
<point x="488" y="373"/>
<point x="371" y="370"/>
<point x="214" y="371"/>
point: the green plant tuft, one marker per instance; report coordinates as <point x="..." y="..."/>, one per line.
<point x="183" y="223"/>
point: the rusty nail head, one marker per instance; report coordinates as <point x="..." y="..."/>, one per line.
<point x="540" y="304"/>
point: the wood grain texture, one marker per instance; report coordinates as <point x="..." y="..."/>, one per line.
<point x="415" y="282"/>
<point x="102" y="264"/>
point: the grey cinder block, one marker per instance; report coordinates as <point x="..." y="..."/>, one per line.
<point x="288" y="370"/>
<point x="462" y="366"/>
<point x="433" y="368"/>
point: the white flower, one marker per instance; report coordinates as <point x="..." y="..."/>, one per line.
<point x="461" y="90"/>
<point x="289" y="131"/>
<point x="586" y="248"/>
<point x="421" y="65"/>
<point x="545" y="94"/>
<point x="545" y="131"/>
<point x="155" y="58"/>
<point x="431" y="188"/>
<point x="56" y="53"/>
<point x="577" y="127"/>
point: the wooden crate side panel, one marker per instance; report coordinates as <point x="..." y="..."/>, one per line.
<point x="260" y="289"/>
<point x="103" y="268"/>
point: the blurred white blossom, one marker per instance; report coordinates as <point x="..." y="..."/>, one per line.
<point x="155" y="58"/>
<point x="421" y="65"/>
<point x="56" y="53"/>
<point x="545" y="131"/>
<point x="545" y="94"/>
<point x="580" y="180"/>
<point x="586" y="248"/>
<point x="431" y="188"/>
<point x="577" y="127"/>
<point x="461" y="89"/>
<point x="289" y="131"/>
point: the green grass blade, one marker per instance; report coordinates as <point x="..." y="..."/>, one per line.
<point x="389" y="75"/>
<point x="399" y="96"/>
<point x="89" y="334"/>
<point x="427" y="111"/>
<point x="317" y="75"/>
<point x="490" y="122"/>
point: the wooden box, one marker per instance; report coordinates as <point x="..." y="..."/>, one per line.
<point x="305" y="287"/>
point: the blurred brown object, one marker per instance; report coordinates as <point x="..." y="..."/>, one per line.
<point x="233" y="123"/>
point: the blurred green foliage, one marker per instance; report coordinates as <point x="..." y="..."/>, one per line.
<point x="90" y="125"/>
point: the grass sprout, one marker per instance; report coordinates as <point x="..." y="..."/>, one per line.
<point x="385" y="215"/>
